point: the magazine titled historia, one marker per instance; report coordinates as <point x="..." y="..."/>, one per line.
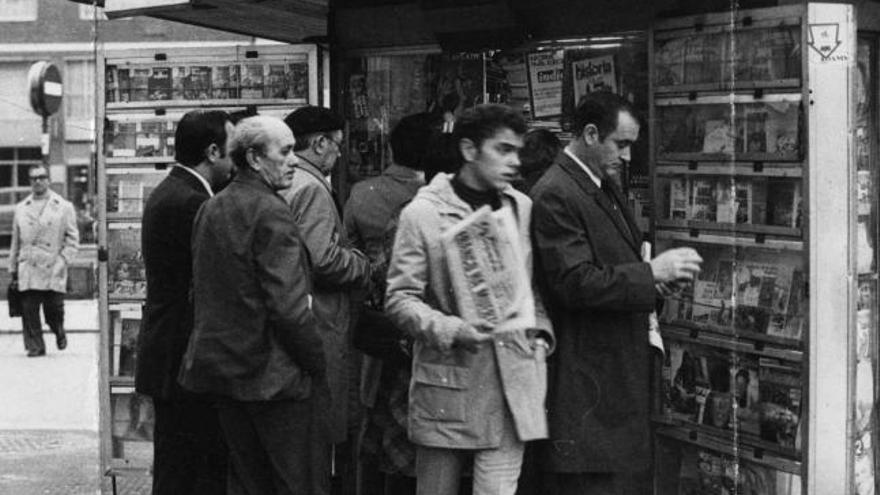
<point x="487" y="270"/>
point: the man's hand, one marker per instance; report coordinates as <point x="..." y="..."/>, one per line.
<point x="470" y="337"/>
<point x="680" y="264"/>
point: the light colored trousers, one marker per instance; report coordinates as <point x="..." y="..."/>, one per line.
<point x="495" y="471"/>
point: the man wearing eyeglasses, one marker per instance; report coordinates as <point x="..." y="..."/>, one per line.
<point x="44" y="242"/>
<point x="337" y="269"/>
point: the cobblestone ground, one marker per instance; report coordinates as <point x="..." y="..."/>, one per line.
<point x="49" y="462"/>
<point x="58" y="463"/>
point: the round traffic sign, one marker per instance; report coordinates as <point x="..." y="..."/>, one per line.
<point x="46" y="90"/>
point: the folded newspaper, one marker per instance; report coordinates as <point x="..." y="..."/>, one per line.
<point x="488" y="271"/>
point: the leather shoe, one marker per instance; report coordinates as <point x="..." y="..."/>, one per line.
<point x="36" y="353"/>
<point x="61" y="342"/>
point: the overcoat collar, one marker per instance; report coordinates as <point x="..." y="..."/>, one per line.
<point x="624" y="223"/>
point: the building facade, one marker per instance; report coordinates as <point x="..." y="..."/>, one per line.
<point x="71" y="36"/>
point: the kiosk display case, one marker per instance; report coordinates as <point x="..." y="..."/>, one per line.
<point x="145" y="93"/>
<point x="763" y="159"/>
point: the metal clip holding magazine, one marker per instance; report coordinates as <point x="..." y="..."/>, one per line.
<point x="654" y="337"/>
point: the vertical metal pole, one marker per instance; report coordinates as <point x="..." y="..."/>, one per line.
<point x="44" y="140"/>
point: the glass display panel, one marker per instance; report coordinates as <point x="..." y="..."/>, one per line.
<point x="747" y="58"/>
<point x="722" y="391"/>
<point x="132" y="426"/>
<point x="750" y="292"/>
<point x="128" y="190"/>
<point x="125" y="324"/>
<point x="864" y="420"/>
<point x="286" y="78"/>
<point x="746" y="131"/>
<point x="734" y="203"/>
<point x="690" y="469"/>
<point x="126" y="276"/>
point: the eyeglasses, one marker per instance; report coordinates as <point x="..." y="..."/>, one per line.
<point x="35" y="178"/>
<point x="337" y="143"/>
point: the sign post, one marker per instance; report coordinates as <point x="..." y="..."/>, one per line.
<point x="46" y="90"/>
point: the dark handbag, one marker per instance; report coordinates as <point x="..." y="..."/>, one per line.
<point x="13" y="297"/>
<point x="376" y="336"/>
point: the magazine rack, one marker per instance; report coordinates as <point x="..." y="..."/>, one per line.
<point x="146" y="92"/>
<point x="771" y="357"/>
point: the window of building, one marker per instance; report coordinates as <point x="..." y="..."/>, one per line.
<point x="18" y="10"/>
<point x="87" y="13"/>
<point x="79" y="100"/>
<point x="14" y="185"/>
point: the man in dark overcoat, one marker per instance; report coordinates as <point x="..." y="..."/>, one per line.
<point x="599" y="294"/>
<point x="188" y="451"/>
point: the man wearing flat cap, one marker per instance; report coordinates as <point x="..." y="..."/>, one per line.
<point x="337" y="269"/>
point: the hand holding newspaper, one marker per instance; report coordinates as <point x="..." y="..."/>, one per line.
<point x="488" y="272"/>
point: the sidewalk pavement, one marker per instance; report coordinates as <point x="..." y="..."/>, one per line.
<point x="49" y="441"/>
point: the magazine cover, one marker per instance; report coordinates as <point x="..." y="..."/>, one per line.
<point x="149" y="139"/>
<point x="123" y="80"/>
<point x="252" y="81"/>
<point x="276" y="82"/>
<point x="140" y="84"/>
<point x="487" y="270"/>
<point x="129" y="329"/>
<point x="782" y="127"/>
<point x="593" y="74"/>
<point x="545" y="83"/>
<point x="122" y="142"/>
<point x="221" y="84"/>
<point x="780" y="393"/>
<point x="159" y="83"/>
<point x="180" y="86"/>
<point x="703" y="204"/>
<point x="111" y="85"/>
<point x="199" y="83"/>
<point x="126" y="275"/>
<point x="669" y="62"/>
<point x="298" y="80"/>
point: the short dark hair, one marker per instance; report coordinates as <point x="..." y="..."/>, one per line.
<point x="410" y="139"/>
<point x="601" y="109"/>
<point x="197" y="130"/>
<point x="484" y="121"/>
<point x="540" y="148"/>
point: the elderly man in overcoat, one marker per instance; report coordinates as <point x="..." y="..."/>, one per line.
<point x="599" y="293"/>
<point x="255" y="344"/>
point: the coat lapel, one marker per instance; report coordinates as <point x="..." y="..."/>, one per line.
<point x="622" y="222"/>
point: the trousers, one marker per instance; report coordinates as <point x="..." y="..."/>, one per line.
<point x="32" y="328"/>
<point x="277" y="447"/>
<point x="495" y="471"/>
<point x="189" y="455"/>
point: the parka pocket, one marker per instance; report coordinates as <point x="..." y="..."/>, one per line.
<point x="439" y="392"/>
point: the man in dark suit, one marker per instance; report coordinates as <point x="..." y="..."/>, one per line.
<point x="189" y="454"/>
<point x="599" y="294"/>
<point x="255" y="343"/>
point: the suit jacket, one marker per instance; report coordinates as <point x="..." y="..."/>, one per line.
<point x="166" y="245"/>
<point x="44" y="242"/>
<point x="254" y="338"/>
<point x="599" y="294"/>
<point x="336" y="270"/>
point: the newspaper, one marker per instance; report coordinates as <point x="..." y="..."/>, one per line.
<point x="487" y="270"/>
